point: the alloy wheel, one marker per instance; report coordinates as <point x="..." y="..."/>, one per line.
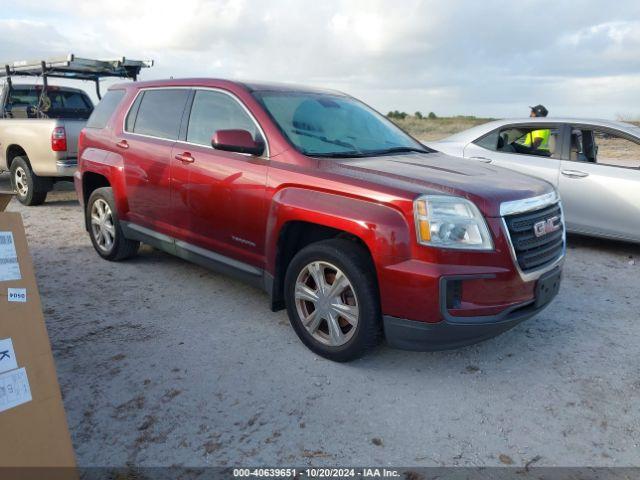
<point x="21" y="182"/>
<point x="326" y="303"/>
<point x="102" y="226"/>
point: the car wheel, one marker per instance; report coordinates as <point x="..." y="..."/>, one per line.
<point x="104" y="227"/>
<point x="332" y="299"/>
<point x="30" y="189"/>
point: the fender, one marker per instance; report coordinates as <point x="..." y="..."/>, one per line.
<point x="4" y="160"/>
<point x="111" y="166"/>
<point x="382" y="228"/>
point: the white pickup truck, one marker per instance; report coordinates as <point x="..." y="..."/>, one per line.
<point x="40" y="124"/>
<point x="40" y="147"/>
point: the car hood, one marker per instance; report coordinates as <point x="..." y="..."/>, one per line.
<point x="435" y="173"/>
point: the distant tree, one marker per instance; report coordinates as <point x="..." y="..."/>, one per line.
<point x="418" y="115"/>
<point x="432" y="115"/>
<point x="397" y="115"/>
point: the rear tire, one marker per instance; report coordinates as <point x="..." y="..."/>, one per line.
<point x="339" y="320"/>
<point x="105" y="230"/>
<point x="30" y="188"/>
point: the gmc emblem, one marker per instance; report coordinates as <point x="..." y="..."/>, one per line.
<point x="544" y="227"/>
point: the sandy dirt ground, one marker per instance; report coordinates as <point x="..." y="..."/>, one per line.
<point x="164" y="363"/>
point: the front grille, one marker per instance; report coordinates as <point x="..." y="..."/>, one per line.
<point x="536" y="250"/>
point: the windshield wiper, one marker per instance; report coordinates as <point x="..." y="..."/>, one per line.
<point x="324" y="139"/>
<point x="368" y="153"/>
<point x="349" y="154"/>
<point x="387" y="151"/>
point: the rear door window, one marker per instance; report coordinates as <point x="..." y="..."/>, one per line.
<point x="105" y="108"/>
<point x="160" y="113"/>
<point x="604" y="147"/>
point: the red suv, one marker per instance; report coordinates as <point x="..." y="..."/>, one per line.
<point x="353" y="226"/>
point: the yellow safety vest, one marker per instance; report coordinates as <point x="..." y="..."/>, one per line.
<point x="544" y="134"/>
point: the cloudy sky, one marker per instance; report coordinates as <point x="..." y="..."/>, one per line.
<point x="464" y="57"/>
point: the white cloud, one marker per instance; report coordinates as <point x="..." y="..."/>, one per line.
<point x="465" y="57"/>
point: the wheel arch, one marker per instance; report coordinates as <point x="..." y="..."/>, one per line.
<point x="99" y="168"/>
<point x="13" y="151"/>
<point x="299" y="217"/>
<point x="293" y="237"/>
<point x="91" y="181"/>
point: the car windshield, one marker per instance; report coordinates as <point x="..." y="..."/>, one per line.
<point x="326" y="125"/>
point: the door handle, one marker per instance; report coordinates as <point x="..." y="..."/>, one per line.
<point x="185" y="157"/>
<point x="574" y="173"/>
<point x="122" y="144"/>
<point x="482" y="159"/>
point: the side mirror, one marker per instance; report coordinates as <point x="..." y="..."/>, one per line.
<point x="240" y="141"/>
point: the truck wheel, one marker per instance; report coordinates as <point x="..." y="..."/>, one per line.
<point x="104" y="227"/>
<point x="332" y="299"/>
<point x="30" y="188"/>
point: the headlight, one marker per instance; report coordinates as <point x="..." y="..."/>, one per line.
<point x="450" y="222"/>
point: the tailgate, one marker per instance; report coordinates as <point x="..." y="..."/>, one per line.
<point x="72" y="128"/>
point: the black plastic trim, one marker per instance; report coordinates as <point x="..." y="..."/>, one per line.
<point x="454" y="332"/>
<point x="192" y="253"/>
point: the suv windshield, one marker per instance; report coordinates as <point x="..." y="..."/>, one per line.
<point x="326" y="125"/>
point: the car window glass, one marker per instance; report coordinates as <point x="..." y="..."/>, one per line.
<point x="160" y="113"/>
<point x="328" y="124"/>
<point x="133" y="113"/>
<point x="56" y="103"/>
<point x="212" y="111"/>
<point x="529" y="140"/>
<point x="24" y="96"/>
<point x="105" y="109"/>
<point x="490" y="142"/>
<point x="611" y="149"/>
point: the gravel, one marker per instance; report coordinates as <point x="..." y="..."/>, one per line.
<point x="164" y="363"/>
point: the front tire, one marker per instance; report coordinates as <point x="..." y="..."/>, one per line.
<point x="332" y="299"/>
<point x="105" y="229"/>
<point x="30" y="188"/>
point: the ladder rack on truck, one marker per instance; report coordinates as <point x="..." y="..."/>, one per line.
<point x="40" y="124"/>
<point x="76" y="68"/>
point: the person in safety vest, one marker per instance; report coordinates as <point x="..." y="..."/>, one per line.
<point x="538" y="139"/>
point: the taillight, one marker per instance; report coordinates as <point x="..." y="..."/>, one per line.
<point x="59" y="139"/>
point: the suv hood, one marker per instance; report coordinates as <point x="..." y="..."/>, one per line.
<point x="435" y="173"/>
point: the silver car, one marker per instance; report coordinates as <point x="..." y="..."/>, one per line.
<point x="595" y="164"/>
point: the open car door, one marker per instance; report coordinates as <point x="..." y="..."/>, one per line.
<point x="600" y="183"/>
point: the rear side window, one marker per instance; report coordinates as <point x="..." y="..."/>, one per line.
<point x="604" y="147"/>
<point x="105" y="108"/>
<point x="160" y="113"/>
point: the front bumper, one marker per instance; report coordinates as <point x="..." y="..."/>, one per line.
<point x="450" y="299"/>
<point x="450" y="333"/>
<point x="459" y="308"/>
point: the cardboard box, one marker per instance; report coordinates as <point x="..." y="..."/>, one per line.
<point x="33" y="424"/>
<point x="5" y="198"/>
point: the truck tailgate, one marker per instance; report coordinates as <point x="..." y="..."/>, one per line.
<point x="72" y="127"/>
